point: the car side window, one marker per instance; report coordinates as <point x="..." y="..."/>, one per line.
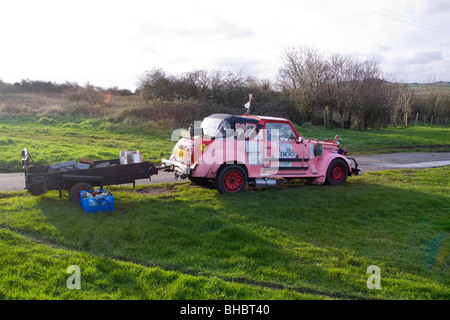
<point x="283" y="130"/>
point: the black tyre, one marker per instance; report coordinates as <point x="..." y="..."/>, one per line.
<point x="74" y="193"/>
<point x="337" y="172"/>
<point x="231" y="179"/>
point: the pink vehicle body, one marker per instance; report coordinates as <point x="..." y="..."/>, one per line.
<point x="257" y="150"/>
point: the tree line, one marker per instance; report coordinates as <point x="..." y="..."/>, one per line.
<point x="211" y="91"/>
<point x="336" y="90"/>
<point x="355" y="93"/>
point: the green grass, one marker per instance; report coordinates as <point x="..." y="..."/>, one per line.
<point x="50" y="141"/>
<point x="399" y="139"/>
<point x="31" y="270"/>
<point x="184" y="242"/>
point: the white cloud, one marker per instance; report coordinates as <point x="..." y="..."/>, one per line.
<point x="419" y="66"/>
<point x="424" y="57"/>
<point x="433" y="7"/>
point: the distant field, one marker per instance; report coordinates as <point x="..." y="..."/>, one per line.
<point x="184" y="242"/>
<point x="51" y="141"/>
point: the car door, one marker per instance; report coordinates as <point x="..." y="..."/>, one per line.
<point x="283" y="152"/>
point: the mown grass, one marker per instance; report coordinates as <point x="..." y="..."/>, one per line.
<point x="404" y="139"/>
<point x="31" y="270"/>
<point x="185" y="242"/>
<point x="51" y="140"/>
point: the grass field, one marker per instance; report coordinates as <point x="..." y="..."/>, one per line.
<point x="53" y="140"/>
<point x="399" y="139"/>
<point x="184" y="242"/>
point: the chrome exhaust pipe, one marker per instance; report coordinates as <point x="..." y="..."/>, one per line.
<point x="265" y="183"/>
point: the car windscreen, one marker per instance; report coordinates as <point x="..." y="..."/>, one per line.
<point x="215" y="127"/>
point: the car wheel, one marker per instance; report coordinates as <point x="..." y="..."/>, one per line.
<point x="231" y="179"/>
<point x="337" y="172"/>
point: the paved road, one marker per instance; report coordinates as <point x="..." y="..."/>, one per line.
<point x="16" y="181"/>
<point x="375" y="162"/>
<point x="407" y="160"/>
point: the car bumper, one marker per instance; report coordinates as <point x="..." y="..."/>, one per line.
<point x="176" y="166"/>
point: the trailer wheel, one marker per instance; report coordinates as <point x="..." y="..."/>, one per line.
<point x="231" y="179"/>
<point x="337" y="172"/>
<point x="74" y="193"/>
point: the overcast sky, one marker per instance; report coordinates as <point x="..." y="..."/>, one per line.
<point x="111" y="43"/>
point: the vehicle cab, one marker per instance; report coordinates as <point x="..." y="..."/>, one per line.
<point x="236" y="151"/>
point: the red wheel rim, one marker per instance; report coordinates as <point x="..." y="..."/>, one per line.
<point x="233" y="180"/>
<point x="338" y="173"/>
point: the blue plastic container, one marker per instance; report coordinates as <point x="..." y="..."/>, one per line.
<point x="92" y="205"/>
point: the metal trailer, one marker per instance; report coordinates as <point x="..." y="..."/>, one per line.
<point x="39" y="178"/>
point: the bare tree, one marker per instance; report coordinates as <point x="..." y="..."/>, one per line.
<point x="304" y="74"/>
<point x="404" y="101"/>
<point x="444" y="107"/>
<point x="156" y="84"/>
<point x="346" y="76"/>
<point x="433" y="97"/>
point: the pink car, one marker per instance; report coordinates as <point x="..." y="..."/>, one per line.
<point x="236" y="151"/>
